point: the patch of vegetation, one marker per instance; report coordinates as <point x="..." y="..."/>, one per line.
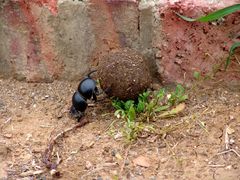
<point x="216" y="16"/>
<point x="150" y="106"/>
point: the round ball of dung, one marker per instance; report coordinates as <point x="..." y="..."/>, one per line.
<point x="123" y="74"/>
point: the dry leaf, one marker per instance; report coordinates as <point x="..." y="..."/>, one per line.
<point x="179" y="108"/>
<point x="118" y="156"/>
<point x="142" y="161"/>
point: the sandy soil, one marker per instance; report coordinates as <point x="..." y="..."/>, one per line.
<point x="30" y="114"/>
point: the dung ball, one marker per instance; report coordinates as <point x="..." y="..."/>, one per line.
<point x="123" y="74"/>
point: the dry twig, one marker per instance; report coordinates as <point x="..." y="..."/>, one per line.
<point x="5" y="122"/>
<point x="226" y="139"/>
<point x="47" y="155"/>
<point x="124" y="160"/>
<point x="217" y="165"/>
<point x="230" y="150"/>
<point x="31" y="173"/>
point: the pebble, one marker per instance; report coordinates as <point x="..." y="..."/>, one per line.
<point x="152" y="178"/>
<point x="142" y="161"/>
<point x="228" y="167"/>
<point x="163" y="160"/>
<point x="99" y="178"/>
<point x="88" y="165"/>
<point x="8" y="135"/>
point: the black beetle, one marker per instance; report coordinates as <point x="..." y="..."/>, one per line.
<point x="87" y="87"/>
<point x="79" y="105"/>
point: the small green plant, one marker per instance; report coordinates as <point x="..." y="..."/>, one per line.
<point x="138" y="114"/>
<point x="196" y="75"/>
<point x="177" y="96"/>
<point x="215" y="16"/>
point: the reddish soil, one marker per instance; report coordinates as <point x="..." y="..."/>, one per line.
<point x="32" y="113"/>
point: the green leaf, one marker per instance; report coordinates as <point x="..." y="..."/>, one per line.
<point x="179" y="90"/>
<point x="120" y="113"/>
<point x="215" y="15"/>
<point x="144" y="96"/>
<point x="231" y="52"/>
<point x="160" y="94"/>
<point x="150" y="106"/>
<point x="117" y="104"/>
<point x="196" y="75"/>
<point x="131" y="113"/>
<point x="182" y="98"/>
<point x="140" y="106"/>
<point x="128" y="104"/>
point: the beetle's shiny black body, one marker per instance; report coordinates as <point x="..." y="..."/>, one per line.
<point x="79" y="102"/>
<point x="79" y="105"/>
<point x="87" y="89"/>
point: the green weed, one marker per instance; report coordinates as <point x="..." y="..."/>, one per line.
<point x="138" y="114"/>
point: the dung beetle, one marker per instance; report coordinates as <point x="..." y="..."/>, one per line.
<point x="79" y="105"/>
<point x="87" y="87"/>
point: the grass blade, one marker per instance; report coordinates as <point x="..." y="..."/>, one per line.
<point x="231" y="52"/>
<point x="213" y="16"/>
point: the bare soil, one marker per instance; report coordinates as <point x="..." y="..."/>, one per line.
<point x="31" y="114"/>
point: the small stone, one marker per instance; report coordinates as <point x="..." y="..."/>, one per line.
<point x="45" y="97"/>
<point x="127" y="162"/>
<point x="113" y="153"/>
<point x="142" y="161"/>
<point x="18" y="115"/>
<point x="109" y="160"/>
<point x="88" y="165"/>
<point x="163" y="160"/>
<point x="8" y="135"/>
<point x="118" y="135"/>
<point x="91" y="144"/>
<point x="19" y="119"/>
<point x="99" y="178"/>
<point x="228" y="167"/>
<point x="152" y="178"/>
<point x="231" y="141"/>
<point x="118" y="156"/>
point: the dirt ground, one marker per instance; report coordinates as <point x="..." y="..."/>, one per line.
<point x="30" y="114"/>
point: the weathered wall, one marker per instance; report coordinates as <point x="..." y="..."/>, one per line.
<point x="187" y="47"/>
<point x="46" y="40"/>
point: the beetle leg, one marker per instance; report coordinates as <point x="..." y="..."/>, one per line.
<point x="94" y="97"/>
